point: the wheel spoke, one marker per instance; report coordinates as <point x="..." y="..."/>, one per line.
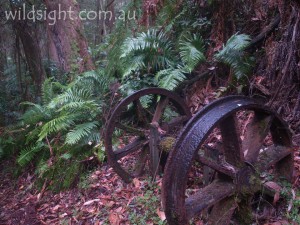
<point x="272" y="155"/>
<point x="231" y="141"/>
<point x="160" y="109"/>
<point x="212" y="153"/>
<point x="207" y="197"/>
<point x="154" y="150"/>
<point x="130" y="129"/>
<point x="256" y="132"/>
<point x="141" y="162"/>
<point x="271" y="188"/>
<point x="137" y="144"/>
<point x="223" y="211"/>
<point x="221" y="167"/>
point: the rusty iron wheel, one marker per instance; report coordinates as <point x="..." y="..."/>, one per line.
<point x="253" y="146"/>
<point x="137" y="125"/>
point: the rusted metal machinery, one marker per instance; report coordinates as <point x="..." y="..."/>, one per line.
<point x="228" y="153"/>
<point x="138" y="124"/>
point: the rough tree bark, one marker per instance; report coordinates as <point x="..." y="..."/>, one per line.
<point x="67" y="44"/>
<point x="111" y="8"/>
<point x="2" y="67"/>
<point x="222" y="24"/>
<point x="26" y="32"/>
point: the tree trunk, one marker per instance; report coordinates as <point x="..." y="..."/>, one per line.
<point x="111" y="8"/>
<point x="26" y="32"/>
<point x="67" y="44"/>
<point x="2" y="78"/>
<point x="18" y="61"/>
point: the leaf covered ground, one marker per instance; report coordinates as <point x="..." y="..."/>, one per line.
<point x="101" y="198"/>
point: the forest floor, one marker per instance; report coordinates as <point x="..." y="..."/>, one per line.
<point x="101" y="198"/>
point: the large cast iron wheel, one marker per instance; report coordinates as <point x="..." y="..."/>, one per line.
<point x="137" y="125"/>
<point x="242" y="145"/>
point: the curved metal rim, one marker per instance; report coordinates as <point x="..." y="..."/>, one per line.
<point x="178" y="102"/>
<point x="192" y="136"/>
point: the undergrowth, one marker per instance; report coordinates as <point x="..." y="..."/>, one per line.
<point x="60" y="137"/>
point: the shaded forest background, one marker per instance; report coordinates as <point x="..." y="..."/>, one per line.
<point x="59" y="81"/>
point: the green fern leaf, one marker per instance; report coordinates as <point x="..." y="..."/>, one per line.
<point x="73" y="94"/>
<point x="33" y="135"/>
<point x="57" y="124"/>
<point x="27" y="154"/>
<point x="233" y="55"/>
<point x="191" y="51"/>
<point x="170" y="78"/>
<point x="79" y="132"/>
<point x="81" y="106"/>
<point x="35" y="114"/>
<point x="149" y="50"/>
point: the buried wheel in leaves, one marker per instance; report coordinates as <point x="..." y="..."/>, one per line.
<point x="138" y="126"/>
<point x="228" y="154"/>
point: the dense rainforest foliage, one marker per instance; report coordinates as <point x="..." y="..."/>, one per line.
<point x="65" y="65"/>
<point x="60" y="78"/>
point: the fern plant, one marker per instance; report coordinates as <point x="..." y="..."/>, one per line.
<point x="233" y="55"/>
<point x="153" y="52"/>
<point x="191" y="52"/>
<point x="149" y="52"/>
<point x="28" y="153"/>
<point x="170" y="78"/>
<point x="67" y="122"/>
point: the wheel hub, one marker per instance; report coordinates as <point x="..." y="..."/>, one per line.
<point x="247" y="181"/>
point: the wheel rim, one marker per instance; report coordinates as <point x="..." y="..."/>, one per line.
<point x="147" y="127"/>
<point x="239" y="174"/>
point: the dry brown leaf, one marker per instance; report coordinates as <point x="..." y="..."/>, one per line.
<point x="136" y="183"/>
<point x="91" y="202"/>
<point x="63" y="215"/>
<point x="110" y="204"/>
<point x="55" y="208"/>
<point x="276" y="188"/>
<point x="119" y="210"/>
<point x="114" y="219"/>
<point x="161" y="215"/>
<point x="276" y="198"/>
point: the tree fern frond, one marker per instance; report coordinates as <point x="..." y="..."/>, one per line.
<point x="33" y="135"/>
<point x="236" y="42"/>
<point x="93" y="137"/>
<point x="50" y="89"/>
<point x="57" y="124"/>
<point x="191" y="49"/>
<point x="80" y="106"/>
<point x="36" y="113"/>
<point x="233" y="55"/>
<point x="93" y="79"/>
<point x="80" y="131"/>
<point x="27" y="154"/>
<point x="47" y="91"/>
<point x="148" y="50"/>
<point x="170" y="78"/>
<point x="71" y="95"/>
<point x="136" y="63"/>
